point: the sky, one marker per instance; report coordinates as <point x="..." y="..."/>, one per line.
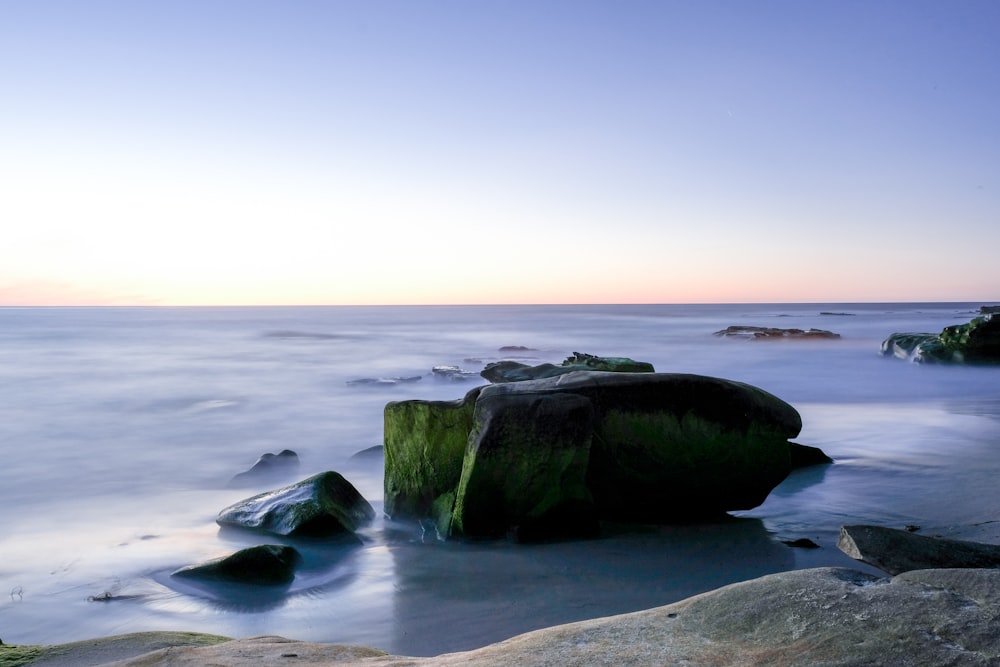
<point x="238" y="152"/>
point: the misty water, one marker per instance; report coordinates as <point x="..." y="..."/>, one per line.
<point x="121" y="428"/>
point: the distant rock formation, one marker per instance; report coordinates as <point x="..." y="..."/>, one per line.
<point x="976" y="342"/>
<point x="772" y="333"/>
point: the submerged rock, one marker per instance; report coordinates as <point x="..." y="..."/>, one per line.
<point x="322" y="505"/>
<point x="513" y="371"/>
<point x="976" y="342"/>
<point x="772" y="333"/>
<point x="896" y="551"/>
<point x="551" y="456"/>
<point x="268" y="467"/>
<point x="266" y="564"/>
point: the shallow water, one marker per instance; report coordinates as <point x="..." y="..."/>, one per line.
<point x="121" y="427"/>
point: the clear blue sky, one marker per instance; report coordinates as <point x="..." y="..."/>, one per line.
<point x="173" y="152"/>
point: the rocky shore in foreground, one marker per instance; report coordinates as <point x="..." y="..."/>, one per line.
<point x="821" y="616"/>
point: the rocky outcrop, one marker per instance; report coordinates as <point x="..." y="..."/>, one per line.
<point x="897" y="551"/>
<point x="513" y="371"/>
<point x="976" y="342"/>
<point x="551" y="456"/>
<point x="772" y="333"/>
<point x="322" y="505"/>
<point x="824" y="616"/>
<point x="264" y="565"/>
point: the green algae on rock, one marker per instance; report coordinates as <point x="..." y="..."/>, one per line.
<point x="975" y="342"/>
<point x="549" y="457"/>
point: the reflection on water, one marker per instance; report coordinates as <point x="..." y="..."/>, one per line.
<point x="485" y="592"/>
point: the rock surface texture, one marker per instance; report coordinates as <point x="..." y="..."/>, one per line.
<point x="550" y="457"/>
<point x="976" y="342"/>
<point x="322" y="505"/>
<point x="824" y="616"/>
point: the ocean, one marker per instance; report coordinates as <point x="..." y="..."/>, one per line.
<point x="121" y="429"/>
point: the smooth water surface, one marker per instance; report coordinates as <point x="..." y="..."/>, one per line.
<point x="121" y="428"/>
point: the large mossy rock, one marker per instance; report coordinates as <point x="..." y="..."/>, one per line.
<point x="425" y="445"/>
<point x="975" y="342"/>
<point x="263" y="565"/>
<point x="549" y="456"/>
<point x="322" y="505"/>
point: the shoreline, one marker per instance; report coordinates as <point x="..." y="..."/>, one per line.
<point x="830" y="615"/>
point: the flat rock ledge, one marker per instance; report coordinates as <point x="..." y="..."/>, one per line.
<point x="822" y="616"/>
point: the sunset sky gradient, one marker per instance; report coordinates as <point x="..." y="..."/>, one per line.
<point x="402" y="152"/>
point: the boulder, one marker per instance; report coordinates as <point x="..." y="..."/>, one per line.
<point x="772" y="333"/>
<point x="548" y="456"/>
<point x="268" y="467"/>
<point x="513" y="371"/>
<point x="525" y="468"/>
<point x="266" y="565"/>
<point x="322" y="505"/>
<point x="975" y="342"/>
<point x="896" y="551"/>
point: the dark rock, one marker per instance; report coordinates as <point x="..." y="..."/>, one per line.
<point x="268" y="467"/>
<point x="989" y="310"/>
<point x="837" y="314"/>
<point x="508" y="349"/>
<point x="772" y="333"/>
<point x="976" y="342"/>
<point x="512" y="371"/>
<point x="623" y="446"/>
<point x="896" y="551"/>
<point x="322" y="505"/>
<point x="801" y="543"/>
<point x="265" y="565"/>
<point x="805" y="455"/>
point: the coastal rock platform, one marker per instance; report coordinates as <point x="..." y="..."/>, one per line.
<point x="828" y="616"/>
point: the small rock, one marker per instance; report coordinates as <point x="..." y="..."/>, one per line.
<point x="267" y="565"/>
